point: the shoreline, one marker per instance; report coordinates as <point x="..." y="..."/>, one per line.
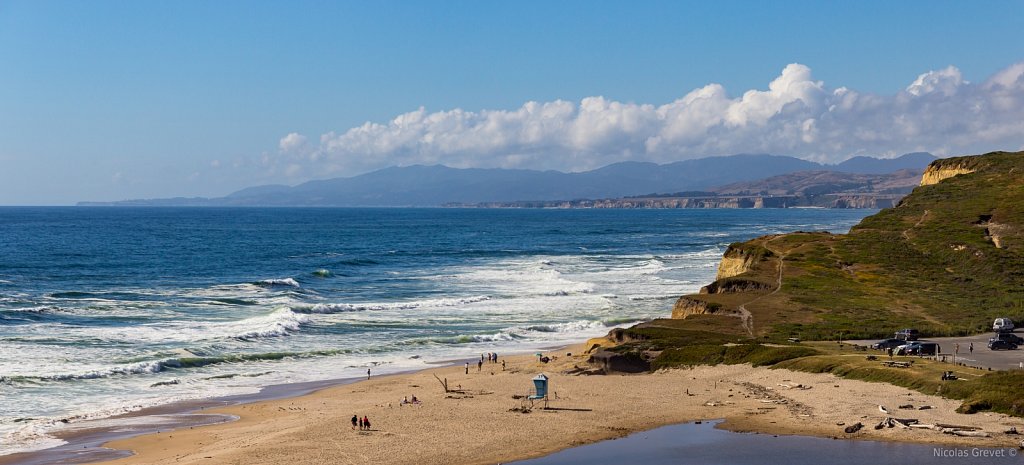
<point x="83" y="442"/>
<point x="86" y="442"/>
<point x="479" y="423"/>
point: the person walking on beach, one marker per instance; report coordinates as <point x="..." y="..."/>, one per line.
<point x="355" y="420"/>
<point x="366" y="423"/>
<point x="467" y="368"/>
<point x="367" y="373"/>
<point x="480" y="365"/>
<point x="971" y="348"/>
<point x="360" y="424"/>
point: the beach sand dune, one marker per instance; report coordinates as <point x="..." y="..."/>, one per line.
<point x="484" y="423"/>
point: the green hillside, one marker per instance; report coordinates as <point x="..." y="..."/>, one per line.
<point x="947" y="260"/>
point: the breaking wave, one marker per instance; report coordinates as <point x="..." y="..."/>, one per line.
<point x="278" y="282"/>
<point x="358" y="307"/>
<point x="532" y="332"/>
<point x="158" y="366"/>
<point x="37" y="309"/>
<point x="281" y="322"/>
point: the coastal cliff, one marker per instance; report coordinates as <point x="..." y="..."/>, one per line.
<point x="937" y="172"/>
<point x="686" y="306"/>
<point x="740" y="258"/>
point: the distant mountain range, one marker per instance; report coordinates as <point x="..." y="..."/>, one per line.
<point x="437" y="185"/>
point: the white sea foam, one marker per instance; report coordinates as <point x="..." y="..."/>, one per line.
<point x="279" y="282"/>
<point x="281" y="322"/>
<point x="357" y="307"/>
<point x="120" y="370"/>
<point x="568" y="327"/>
<point x="521" y="277"/>
<point x="36" y="309"/>
<point x="27" y="438"/>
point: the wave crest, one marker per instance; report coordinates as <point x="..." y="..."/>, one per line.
<point x="281" y="322"/>
<point x="368" y="306"/>
<point x="278" y="282"/>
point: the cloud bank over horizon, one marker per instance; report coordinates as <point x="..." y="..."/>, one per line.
<point x="937" y="112"/>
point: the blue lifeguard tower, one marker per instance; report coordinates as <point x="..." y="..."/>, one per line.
<point x="540" y="390"/>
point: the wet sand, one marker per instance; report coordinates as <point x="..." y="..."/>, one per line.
<point x="481" y="421"/>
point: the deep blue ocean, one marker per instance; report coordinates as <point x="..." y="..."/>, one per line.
<point x="107" y="310"/>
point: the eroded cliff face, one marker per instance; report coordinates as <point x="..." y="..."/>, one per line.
<point x="732" y="286"/>
<point x="936" y="172"/>
<point x="737" y="260"/>
<point x="687" y="306"/>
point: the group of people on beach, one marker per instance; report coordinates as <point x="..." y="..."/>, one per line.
<point x="362" y="423"/>
<point x="492" y="357"/>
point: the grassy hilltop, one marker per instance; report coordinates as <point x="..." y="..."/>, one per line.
<point x="947" y="260"/>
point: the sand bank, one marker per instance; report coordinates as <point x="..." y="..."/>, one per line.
<point x="483" y="422"/>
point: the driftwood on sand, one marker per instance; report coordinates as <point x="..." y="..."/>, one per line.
<point x="970" y="434"/>
<point x="890" y="422"/>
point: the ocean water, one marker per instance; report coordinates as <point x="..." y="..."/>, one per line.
<point x="105" y="311"/>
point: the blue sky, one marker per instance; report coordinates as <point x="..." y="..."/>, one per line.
<point x="113" y="100"/>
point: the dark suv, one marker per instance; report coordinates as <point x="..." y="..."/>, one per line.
<point x="1009" y="337"/>
<point x="908" y="334"/>
<point x="996" y="344"/>
<point x="927" y="348"/>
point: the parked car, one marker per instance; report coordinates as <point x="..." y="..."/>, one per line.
<point x="926" y="348"/>
<point x="906" y="349"/>
<point x="1009" y="337"/>
<point x="1002" y="325"/>
<point x="908" y="334"/>
<point x="996" y="344"/>
<point x="887" y="344"/>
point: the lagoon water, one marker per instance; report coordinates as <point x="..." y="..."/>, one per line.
<point x="703" y="444"/>
<point x="107" y="310"/>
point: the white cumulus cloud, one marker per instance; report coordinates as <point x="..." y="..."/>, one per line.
<point x="293" y="141"/>
<point x="938" y="111"/>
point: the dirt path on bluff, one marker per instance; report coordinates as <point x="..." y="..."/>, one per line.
<point x="747" y="318"/>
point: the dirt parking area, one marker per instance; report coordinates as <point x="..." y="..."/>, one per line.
<point x="980" y="357"/>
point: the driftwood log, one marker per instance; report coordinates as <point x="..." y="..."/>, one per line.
<point x="969" y="434"/>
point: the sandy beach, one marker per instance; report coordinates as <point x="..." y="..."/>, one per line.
<point x="484" y="423"/>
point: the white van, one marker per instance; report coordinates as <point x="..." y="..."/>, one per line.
<point x="1002" y="325"/>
